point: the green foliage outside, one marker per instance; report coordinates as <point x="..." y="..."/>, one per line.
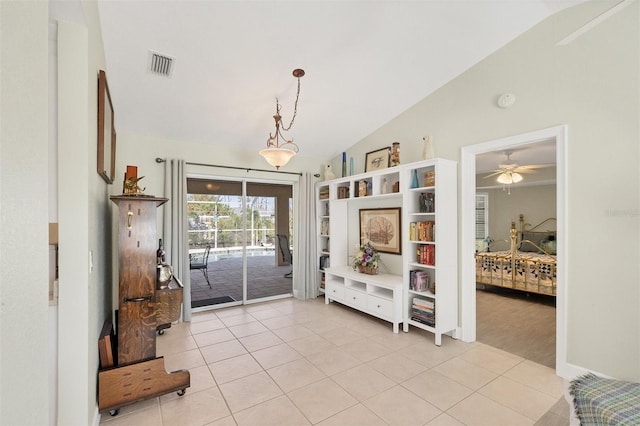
<point x="204" y="211"/>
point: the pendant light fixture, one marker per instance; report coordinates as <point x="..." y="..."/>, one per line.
<point x="279" y="150"/>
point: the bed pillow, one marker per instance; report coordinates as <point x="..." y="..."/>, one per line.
<point x="535" y="238"/>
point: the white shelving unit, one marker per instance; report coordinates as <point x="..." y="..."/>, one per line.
<point x="378" y="295"/>
<point x="323" y="229"/>
<point x="395" y="187"/>
<point x="430" y="219"/>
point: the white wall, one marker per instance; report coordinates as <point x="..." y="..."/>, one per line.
<point x="84" y="219"/>
<point x="24" y="286"/>
<point x="592" y="86"/>
<point x="537" y="203"/>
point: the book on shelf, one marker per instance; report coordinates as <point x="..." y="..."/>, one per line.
<point x="419" y="280"/>
<point x="322" y="280"/>
<point x="423" y="303"/>
<point x="426" y="254"/>
<point x="324" y="262"/>
<point x="323" y="194"/>
<point x="423" y="311"/>
<point x="422" y="231"/>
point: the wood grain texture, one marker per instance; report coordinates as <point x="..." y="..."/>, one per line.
<point x="135" y="382"/>
<point x="169" y="302"/>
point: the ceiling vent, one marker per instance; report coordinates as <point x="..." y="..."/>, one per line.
<point x="160" y="64"/>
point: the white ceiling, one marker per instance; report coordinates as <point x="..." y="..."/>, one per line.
<point x="365" y="62"/>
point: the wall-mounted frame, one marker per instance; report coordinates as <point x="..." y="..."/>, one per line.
<point x="382" y="228"/>
<point x="106" y="131"/>
<point x="377" y="160"/>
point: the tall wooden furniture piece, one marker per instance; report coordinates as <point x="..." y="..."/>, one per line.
<point x="143" y="309"/>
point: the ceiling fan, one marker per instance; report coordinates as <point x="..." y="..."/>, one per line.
<point x="510" y="172"/>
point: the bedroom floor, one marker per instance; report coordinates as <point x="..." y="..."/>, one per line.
<point x="520" y="323"/>
<point x="292" y="362"/>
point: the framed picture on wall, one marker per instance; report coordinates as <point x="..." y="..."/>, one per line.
<point x="377" y="160"/>
<point x="381" y="227"/>
<point x="106" y="131"/>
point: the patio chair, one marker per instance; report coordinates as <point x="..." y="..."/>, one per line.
<point x="199" y="261"/>
<point x="287" y="256"/>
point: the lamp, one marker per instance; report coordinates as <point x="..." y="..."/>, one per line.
<point x="276" y="153"/>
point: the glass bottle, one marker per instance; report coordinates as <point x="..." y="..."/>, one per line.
<point x="160" y="253"/>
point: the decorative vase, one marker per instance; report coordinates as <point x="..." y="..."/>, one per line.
<point x="395" y="154"/>
<point x="427" y="149"/>
<point x="414" y="179"/>
<point x="371" y="270"/>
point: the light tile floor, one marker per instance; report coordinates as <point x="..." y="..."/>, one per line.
<point x="292" y="362"/>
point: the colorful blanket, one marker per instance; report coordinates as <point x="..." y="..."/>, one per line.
<point x="600" y="401"/>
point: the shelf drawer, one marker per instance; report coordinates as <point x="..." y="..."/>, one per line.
<point x="355" y="298"/>
<point x="335" y="292"/>
<point x="380" y="306"/>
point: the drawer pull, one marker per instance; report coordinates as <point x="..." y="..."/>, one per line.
<point x="138" y="299"/>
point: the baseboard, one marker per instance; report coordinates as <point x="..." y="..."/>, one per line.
<point x="96" y="416"/>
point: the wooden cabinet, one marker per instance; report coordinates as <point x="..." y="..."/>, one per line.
<point x="143" y="310"/>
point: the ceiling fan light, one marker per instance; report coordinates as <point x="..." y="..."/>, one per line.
<point x="505" y="179"/>
<point x="277" y="157"/>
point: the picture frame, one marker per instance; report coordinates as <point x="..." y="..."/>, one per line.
<point x="106" y="131"/>
<point x="377" y="160"/>
<point x="382" y="228"/>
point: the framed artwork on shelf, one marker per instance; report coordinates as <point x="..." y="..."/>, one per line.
<point x="106" y="131"/>
<point x="382" y="228"/>
<point x="377" y="160"/>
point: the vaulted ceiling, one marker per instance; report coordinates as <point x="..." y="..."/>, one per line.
<point x="365" y="62"/>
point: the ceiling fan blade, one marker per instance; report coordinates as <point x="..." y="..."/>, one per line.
<point x="495" y="173"/>
<point x="534" y="166"/>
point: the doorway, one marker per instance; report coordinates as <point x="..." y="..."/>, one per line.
<point x="233" y="250"/>
<point x="468" y="226"/>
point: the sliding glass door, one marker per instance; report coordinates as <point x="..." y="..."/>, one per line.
<point x="233" y="241"/>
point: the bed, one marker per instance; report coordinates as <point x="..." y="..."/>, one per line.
<point x="528" y="265"/>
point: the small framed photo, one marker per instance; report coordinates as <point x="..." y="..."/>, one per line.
<point x="382" y="228"/>
<point x="377" y="160"/>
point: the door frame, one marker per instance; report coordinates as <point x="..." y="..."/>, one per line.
<point x="467" y="239"/>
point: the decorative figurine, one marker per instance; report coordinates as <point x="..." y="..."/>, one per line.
<point x="328" y="173"/>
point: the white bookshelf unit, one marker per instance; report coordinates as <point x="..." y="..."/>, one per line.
<point x="431" y="247"/>
<point x="434" y="203"/>
<point x="323" y="224"/>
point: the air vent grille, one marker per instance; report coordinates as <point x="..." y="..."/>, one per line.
<point x="160" y="64"/>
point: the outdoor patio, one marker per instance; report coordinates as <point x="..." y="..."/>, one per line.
<point x="264" y="278"/>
